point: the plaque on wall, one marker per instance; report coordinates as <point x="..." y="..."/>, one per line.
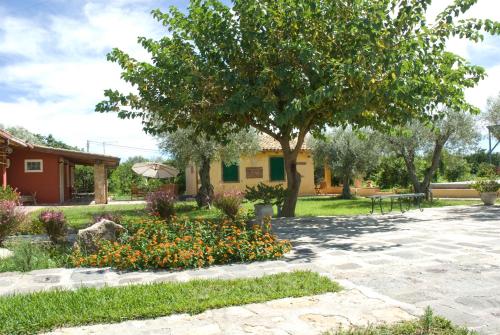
<point x="254" y="172"/>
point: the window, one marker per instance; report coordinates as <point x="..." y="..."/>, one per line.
<point x="33" y="165"/>
<point x="230" y="173"/>
<point x="277" y="168"/>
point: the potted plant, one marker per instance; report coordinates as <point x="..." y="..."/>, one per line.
<point x="488" y="190"/>
<point x="265" y="197"/>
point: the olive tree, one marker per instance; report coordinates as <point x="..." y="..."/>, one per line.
<point x="348" y="153"/>
<point x="188" y="146"/>
<point x="492" y="116"/>
<point x="292" y="67"/>
<point x="455" y="131"/>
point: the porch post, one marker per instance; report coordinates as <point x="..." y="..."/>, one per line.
<point x="100" y="183"/>
<point x="4" y="175"/>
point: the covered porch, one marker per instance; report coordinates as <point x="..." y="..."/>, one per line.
<point x="47" y="175"/>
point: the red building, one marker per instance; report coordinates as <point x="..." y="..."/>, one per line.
<point x="47" y="174"/>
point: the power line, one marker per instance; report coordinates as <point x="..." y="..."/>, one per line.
<point x="104" y="144"/>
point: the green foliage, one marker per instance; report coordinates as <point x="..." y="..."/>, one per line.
<point x="376" y="63"/>
<point x="123" y="178"/>
<point x="486" y="170"/>
<point x="55" y="225"/>
<point x="9" y="194"/>
<point x="84" y="179"/>
<point x="349" y="153"/>
<point x="161" y="203"/>
<point x="456" y="168"/>
<point x="179" y="243"/>
<point x="29" y="256"/>
<point x="480" y="156"/>
<point x="266" y="194"/>
<point x="485" y="185"/>
<point x="33" y="138"/>
<point x="492" y="115"/>
<point x="39" y="312"/>
<point x="391" y="173"/>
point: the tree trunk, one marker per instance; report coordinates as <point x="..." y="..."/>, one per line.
<point x="346" y="188"/>
<point x="293" y="179"/>
<point x="206" y="191"/>
<point x="423" y="187"/>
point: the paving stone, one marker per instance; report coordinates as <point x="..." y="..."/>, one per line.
<point x="89" y="275"/>
<point x="49" y="279"/>
<point x="348" y="266"/>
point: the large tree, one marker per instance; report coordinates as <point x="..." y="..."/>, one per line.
<point x="291" y="67"/>
<point x="348" y="153"/>
<point x="455" y="131"/>
<point x="189" y="146"/>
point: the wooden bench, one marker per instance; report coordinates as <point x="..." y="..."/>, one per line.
<point x="136" y="192"/>
<point x="28" y="199"/>
<point x="401" y="199"/>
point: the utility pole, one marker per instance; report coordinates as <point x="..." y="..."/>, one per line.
<point x="88" y="146"/>
<point x="103" y="148"/>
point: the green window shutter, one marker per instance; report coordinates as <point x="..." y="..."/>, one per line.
<point x="277" y="168"/>
<point x="230" y="173"/>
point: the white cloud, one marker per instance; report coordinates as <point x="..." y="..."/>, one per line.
<point x="64" y="72"/>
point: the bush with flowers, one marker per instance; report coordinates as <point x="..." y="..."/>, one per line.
<point x="9" y="194"/>
<point x="55" y="225"/>
<point x="228" y="203"/>
<point x="180" y="243"/>
<point x="161" y="203"/>
<point x="10" y="218"/>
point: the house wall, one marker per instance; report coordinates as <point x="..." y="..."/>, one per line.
<point x="305" y="167"/>
<point x="45" y="184"/>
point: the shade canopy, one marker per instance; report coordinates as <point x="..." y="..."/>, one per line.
<point x="155" y="170"/>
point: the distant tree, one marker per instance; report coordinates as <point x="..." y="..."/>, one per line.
<point x="348" y="153"/>
<point x="122" y="178"/>
<point x="289" y="68"/>
<point x="188" y="145"/>
<point x="391" y="172"/>
<point x="479" y="157"/>
<point x="33" y="138"/>
<point x="456" y="131"/>
<point x="455" y="167"/>
<point x="492" y="114"/>
<point x="84" y="179"/>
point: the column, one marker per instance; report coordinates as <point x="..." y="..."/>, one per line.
<point x="100" y="183"/>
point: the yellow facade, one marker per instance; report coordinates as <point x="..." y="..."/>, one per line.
<point x="259" y="162"/>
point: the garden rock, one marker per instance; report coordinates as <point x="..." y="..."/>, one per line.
<point x="89" y="238"/>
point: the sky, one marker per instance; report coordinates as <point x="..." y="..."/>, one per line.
<point x="53" y="67"/>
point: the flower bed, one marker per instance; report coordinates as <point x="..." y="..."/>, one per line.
<point x="180" y="243"/>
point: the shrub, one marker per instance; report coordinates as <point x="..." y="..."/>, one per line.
<point x="161" y="203"/>
<point x="28" y="256"/>
<point x="10" y="218"/>
<point x="184" y="243"/>
<point x="55" y="225"/>
<point x="486" y="170"/>
<point x="229" y="203"/>
<point x="266" y="194"/>
<point x="9" y="194"/>
<point x="486" y="185"/>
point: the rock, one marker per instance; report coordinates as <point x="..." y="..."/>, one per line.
<point x="4" y="253"/>
<point x="88" y="238"/>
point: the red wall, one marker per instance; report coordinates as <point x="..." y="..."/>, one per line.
<point x="45" y="184"/>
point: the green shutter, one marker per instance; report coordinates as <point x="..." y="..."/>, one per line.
<point x="230" y="173"/>
<point x="277" y="167"/>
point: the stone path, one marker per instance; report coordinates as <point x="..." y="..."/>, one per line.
<point x="447" y="258"/>
<point x="354" y="306"/>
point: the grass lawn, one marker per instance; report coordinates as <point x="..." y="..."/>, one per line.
<point x="81" y="216"/>
<point x="43" y="311"/>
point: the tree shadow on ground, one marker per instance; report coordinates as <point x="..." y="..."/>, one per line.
<point x="317" y="234"/>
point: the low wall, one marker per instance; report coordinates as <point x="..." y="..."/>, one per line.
<point x="455" y="193"/>
<point x="360" y="191"/>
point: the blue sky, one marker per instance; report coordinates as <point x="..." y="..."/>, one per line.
<point x="53" y="68"/>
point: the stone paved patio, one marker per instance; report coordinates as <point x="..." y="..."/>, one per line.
<point x="447" y="258"/>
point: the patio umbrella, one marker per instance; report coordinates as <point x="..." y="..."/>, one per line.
<point x="155" y="170"/>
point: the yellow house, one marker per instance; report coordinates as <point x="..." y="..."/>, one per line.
<point x="266" y="166"/>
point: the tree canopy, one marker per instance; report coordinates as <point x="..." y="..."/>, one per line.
<point x="189" y="146"/>
<point x="456" y="132"/>
<point x="348" y="153"/>
<point x="290" y="67"/>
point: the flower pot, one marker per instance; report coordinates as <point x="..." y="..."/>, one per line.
<point x="263" y="210"/>
<point x="489" y="198"/>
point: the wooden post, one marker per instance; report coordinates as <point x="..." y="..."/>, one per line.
<point x="100" y="183"/>
<point x="4" y="175"/>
